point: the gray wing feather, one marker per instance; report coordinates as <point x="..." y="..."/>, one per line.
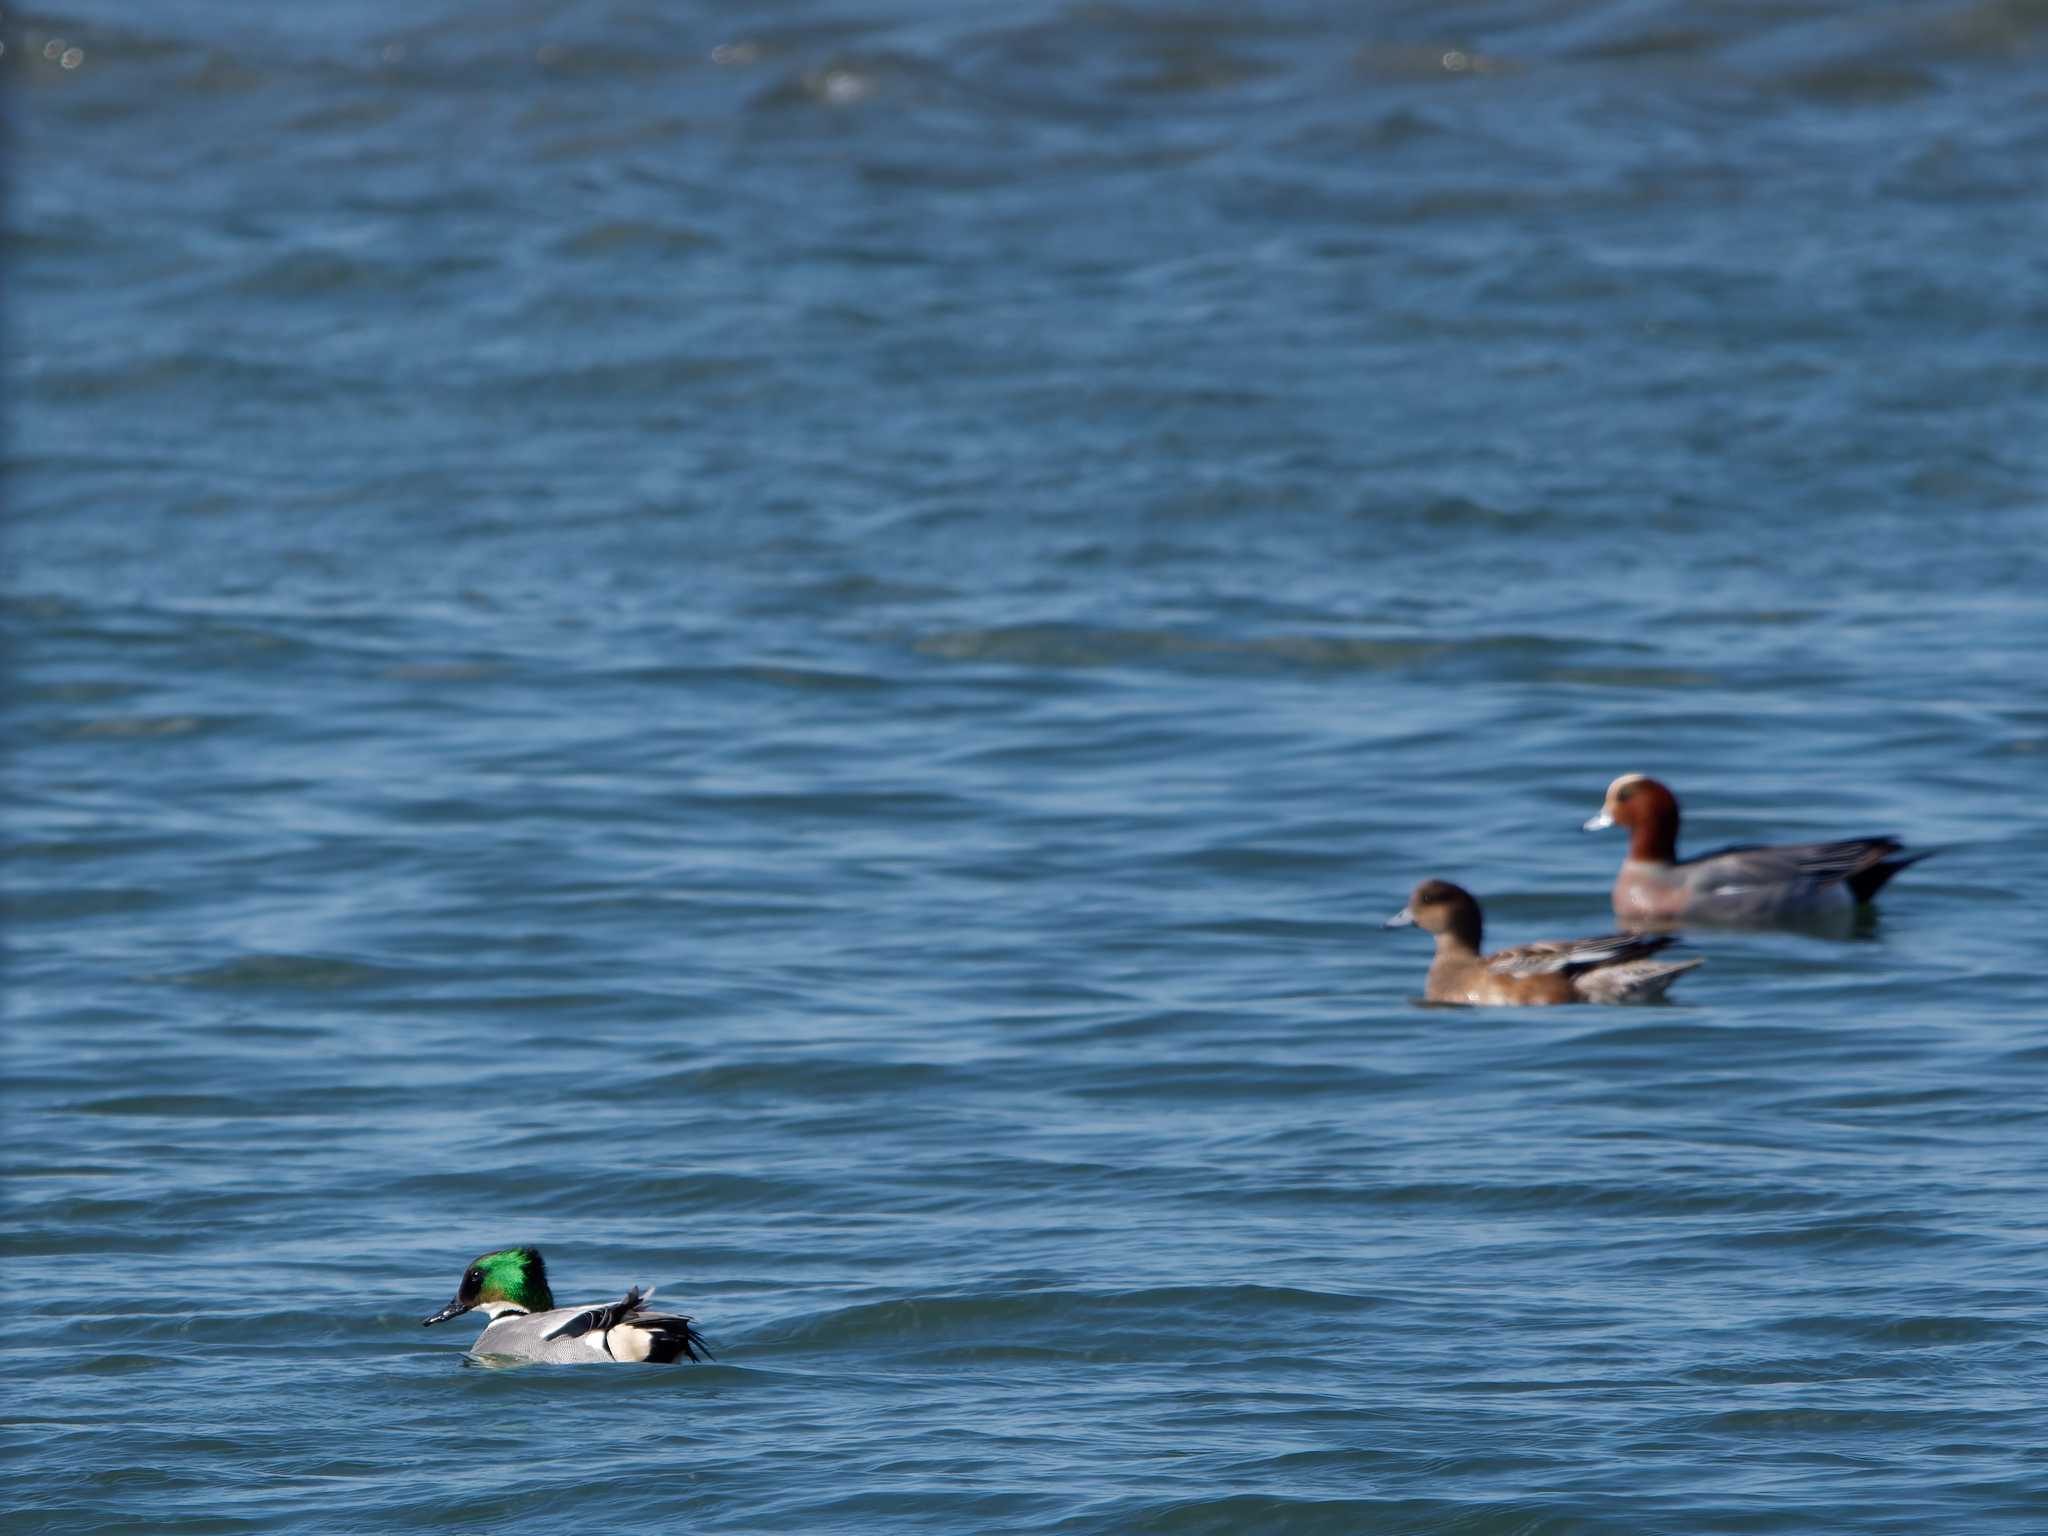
<point x="601" y="1318"/>
<point x="1574" y="954"/>
<point x="1823" y="862"/>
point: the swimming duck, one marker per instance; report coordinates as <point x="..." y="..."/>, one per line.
<point x="511" y="1288"/>
<point x="1748" y="883"/>
<point x="1613" y="969"/>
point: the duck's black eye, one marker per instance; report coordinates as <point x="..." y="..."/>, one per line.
<point x="1624" y="794"/>
<point x="474" y="1276"/>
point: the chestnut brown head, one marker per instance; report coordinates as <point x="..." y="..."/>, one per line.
<point x="1648" y="810"/>
<point x="1437" y="906"/>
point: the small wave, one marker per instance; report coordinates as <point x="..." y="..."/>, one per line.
<point x="1856" y="82"/>
<point x="806" y="679"/>
<point x="60" y="904"/>
<point x="123" y="1365"/>
<point x="1922" y="1331"/>
<point x="1154" y="1321"/>
<point x="627" y="379"/>
<point x="298" y="972"/>
<point x="145" y="725"/>
<point x="187" y="1106"/>
<point x="811" y="1076"/>
<point x="165" y="374"/>
<point x="634" y="237"/>
<point x="1776" y="1422"/>
<point x="1063" y="645"/>
<point x="845" y="81"/>
<point x="1851" y="1234"/>
<point x="315" y="274"/>
<point x="1283" y="1515"/>
<point x="1445" y="61"/>
<point x="1234" y="1081"/>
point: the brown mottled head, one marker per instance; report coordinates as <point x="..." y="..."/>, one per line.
<point x="1437" y="906"/>
<point x="1648" y="810"/>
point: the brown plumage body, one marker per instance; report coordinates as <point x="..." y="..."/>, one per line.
<point x="1615" y="968"/>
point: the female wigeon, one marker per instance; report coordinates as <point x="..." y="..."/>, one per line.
<point x="1748" y="883"/>
<point x="1605" y="970"/>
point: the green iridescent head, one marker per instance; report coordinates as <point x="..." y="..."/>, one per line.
<point x="509" y="1280"/>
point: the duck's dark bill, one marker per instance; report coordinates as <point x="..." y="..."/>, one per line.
<point x="454" y="1308"/>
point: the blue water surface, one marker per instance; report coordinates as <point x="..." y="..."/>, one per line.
<point x="796" y="650"/>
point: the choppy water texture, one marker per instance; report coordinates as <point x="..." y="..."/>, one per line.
<point x="795" y="650"/>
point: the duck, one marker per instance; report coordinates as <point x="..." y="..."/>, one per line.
<point x="510" y="1287"/>
<point x="1615" y="968"/>
<point x="1749" y="883"/>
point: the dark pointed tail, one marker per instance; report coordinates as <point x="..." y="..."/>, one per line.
<point x="1865" y="883"/>
<point x="677" y="1340"/>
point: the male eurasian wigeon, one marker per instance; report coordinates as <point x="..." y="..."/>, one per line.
<point x="1748" y="883"/>
<point x="1613" y="969"/>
